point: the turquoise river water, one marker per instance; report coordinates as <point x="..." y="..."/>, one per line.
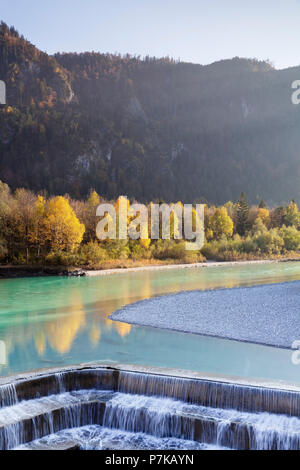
<point x="57" y="321"/>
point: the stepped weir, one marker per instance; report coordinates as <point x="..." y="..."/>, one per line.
<point x="113" y="408"/>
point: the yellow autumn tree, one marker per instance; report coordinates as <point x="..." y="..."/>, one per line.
<point x="93" y="200"/>
<point x="264" y="216"/>
<point x="61" y="228"/>
<point x="90" y="218"/>
<point x="138" y="217"/>
<point x="208" y="217"/>
<point x="122" y="207"/>
<point x="221" y="223"/>
<point x="145" y="241"/>
<point x="175" y="227"/>
<point x="36" y="232"/>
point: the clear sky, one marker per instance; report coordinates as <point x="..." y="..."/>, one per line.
<point x="200" y="31"/>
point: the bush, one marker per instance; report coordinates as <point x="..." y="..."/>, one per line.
<point x="19" y="259"/>
<point x="168" y="249"/>
<point x="62" y="258"/>
<point x="269" y="242"/>
<point x="291" y="238"/>
<point x="171" y="249"/>
<point x="117" y="249"/>
<point x="262" y="242"/>
<point x="226" y="249"/>
<point x="139" y="252"/>
<point x="247" y="245"/>
<point x="92" y="254"/>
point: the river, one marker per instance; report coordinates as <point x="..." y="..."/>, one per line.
<point x="57" y="321"/>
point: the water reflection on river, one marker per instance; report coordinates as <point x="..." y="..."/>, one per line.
<point x="50" y="321"/>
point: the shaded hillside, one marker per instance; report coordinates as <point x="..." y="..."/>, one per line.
<point x="150" y="128"/>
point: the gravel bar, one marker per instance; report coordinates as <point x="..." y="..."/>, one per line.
<point x="268" y="314"/>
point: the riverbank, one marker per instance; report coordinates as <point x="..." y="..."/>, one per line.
<point x="267" y="315"/>
<point x="119" y="267"/>
<point x="11" y="272"/>
<point x="207" y="264"/>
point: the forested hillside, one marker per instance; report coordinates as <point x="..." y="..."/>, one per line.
<point x="148" y="128"/>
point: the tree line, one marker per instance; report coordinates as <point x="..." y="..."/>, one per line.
<point x="58" y="230"/>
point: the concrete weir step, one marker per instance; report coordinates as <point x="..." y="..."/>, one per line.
<point x="101" y="438"/>
<point x="39" y="445"/>
<point x="227" y="428"/>
<point x="154" y="416"/>
<point x="194" y="389"/>
<point x="146" y="409"/>
<point x="43" y="385"/>
<point x="33" y="419"/>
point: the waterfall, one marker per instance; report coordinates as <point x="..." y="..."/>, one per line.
<point x="93" y="408"/>
<point x="8" y="395"/>
<point x="60" y="378"/>
<point x="33" y="419"/>
<point x="157" y="417"/>
<point x="211" y="393"/>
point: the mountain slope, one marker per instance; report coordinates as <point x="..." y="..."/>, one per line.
<point x="151" y="129"/>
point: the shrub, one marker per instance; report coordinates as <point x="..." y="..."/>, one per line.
<point x="19" y="259"/>
<point x="62" y="258"/>
<point x="269" y="242"/>
<point x="117" y="249"/>
<point x="168" y="249"/>
<point x="247" y="245"/>
<point x="92" y="254"/>
<point x="291" y="238"/>
<point x="262" y="242"/>
<point x="138" y="252"/>
<point x="171" y="249"/>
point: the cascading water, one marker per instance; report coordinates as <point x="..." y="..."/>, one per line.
<point x="60" y="382"/>
<point x="8" y="395"/>
<point x="110" y="409"/>
<point x="158" y="417"/>
<point x="211" y="393"/>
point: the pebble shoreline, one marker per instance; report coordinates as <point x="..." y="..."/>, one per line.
<point x="267" y="314"/>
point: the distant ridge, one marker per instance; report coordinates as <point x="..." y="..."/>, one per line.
<point x="149" y="128"/>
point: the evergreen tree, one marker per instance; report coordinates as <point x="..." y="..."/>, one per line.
<point x="242" y="215"/>
<point x="262" y="205"/>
